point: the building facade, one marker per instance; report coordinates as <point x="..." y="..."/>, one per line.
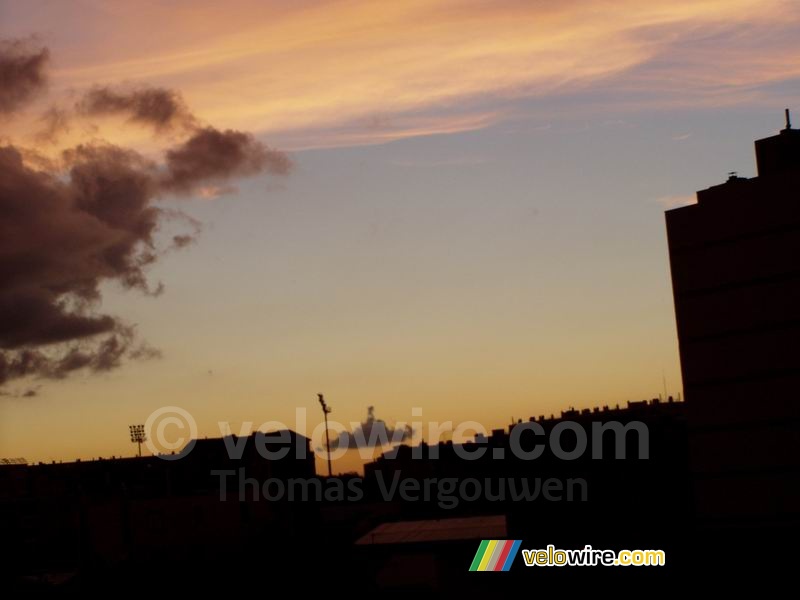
<point x="735" y="262"/>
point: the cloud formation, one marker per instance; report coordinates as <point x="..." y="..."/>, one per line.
<point x="159" y="108"/>
<point x="90" y="216"/>
<point x="333" y="66"/>
<point x="22" y="75"/>
<point x="211" y="156"/>
<point x="372" y="433"/>
<point x="59" y="239"/>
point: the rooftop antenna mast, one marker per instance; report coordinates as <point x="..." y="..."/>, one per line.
<point x="788" y="119"/>
<point x="325" y="411"/>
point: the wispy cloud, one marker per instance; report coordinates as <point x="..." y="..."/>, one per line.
<point x="306" y="72"/>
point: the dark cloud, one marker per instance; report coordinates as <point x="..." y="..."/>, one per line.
<point x="159" y="108"/>
<point x="372" y="433"/>
<point x="59" y="362"/>
<point x="60" y="238"/>
<point x="69" y="225"/>
<point x="22" y="76"/>
<point x="145" y="352"/>
<point x="30" y="392"/>
<point x="63" y="235"/>
<point x="211" y="155"/>
<point x="181" y="241"/>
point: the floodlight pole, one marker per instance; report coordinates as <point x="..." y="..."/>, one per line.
<point x="325" y="411"/>
<point x="137" y="435"/>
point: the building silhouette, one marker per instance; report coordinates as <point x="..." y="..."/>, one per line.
<point x="735" y="261"/>
<point x="720" y="465"/>
<point x="85" y="520"/>
<point x="638" y="496"/>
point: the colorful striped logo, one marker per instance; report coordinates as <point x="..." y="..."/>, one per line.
<point x="495" y="555"/>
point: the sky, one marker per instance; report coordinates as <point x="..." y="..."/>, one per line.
<point x="449" y="206"/>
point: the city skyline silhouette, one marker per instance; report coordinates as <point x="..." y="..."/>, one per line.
<point x="528" y="245"/>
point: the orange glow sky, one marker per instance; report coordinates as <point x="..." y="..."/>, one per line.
<point x="474" y="225"/>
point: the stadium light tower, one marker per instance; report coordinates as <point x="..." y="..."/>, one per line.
<point x="325" y="410"/>
<point x="138" y="436"/>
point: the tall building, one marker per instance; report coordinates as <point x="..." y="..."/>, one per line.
<point x="735" y="261"/>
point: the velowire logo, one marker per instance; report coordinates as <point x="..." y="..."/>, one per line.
<point x="495" y="555"/>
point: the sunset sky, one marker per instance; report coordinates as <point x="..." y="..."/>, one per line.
<point x="472" y="223"/>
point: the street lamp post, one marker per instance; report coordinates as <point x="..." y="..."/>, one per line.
<point x="325" y="410"/>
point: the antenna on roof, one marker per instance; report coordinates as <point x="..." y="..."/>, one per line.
<point x="788" y="119"/>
